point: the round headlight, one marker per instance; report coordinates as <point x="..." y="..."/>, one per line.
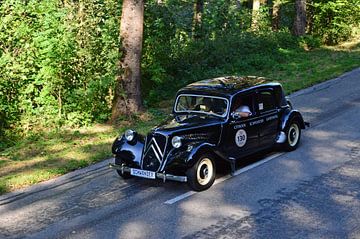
<point x="176" y="142"/>
<point x="129" y="135"/>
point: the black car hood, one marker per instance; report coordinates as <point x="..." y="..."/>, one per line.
<point x="177" y="123"/>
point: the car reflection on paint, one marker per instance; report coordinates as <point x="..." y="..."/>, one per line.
<point x="213" y="121"/>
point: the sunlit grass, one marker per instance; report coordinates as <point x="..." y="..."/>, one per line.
<point x="48" y="154"/>
<point x="38" y="159"/>
<point x="308" y="68"/>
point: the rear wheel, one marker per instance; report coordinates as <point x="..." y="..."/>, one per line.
<point x="293" y="135"/>
<point x="202" y="175"/>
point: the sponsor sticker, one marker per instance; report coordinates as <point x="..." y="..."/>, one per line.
<point x="271" y="117"/>
<point x="261" y="106"/>
<point x="240" y="138"/>
<point x="260" y="121"/>
<point x="239" y="126"/>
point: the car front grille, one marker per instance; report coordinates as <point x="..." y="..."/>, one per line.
<point x="154" y="152"/>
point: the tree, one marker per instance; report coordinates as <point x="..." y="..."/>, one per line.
<point x="198" y="11"/>
<point x="299" y="27"/>
<point x="127" y="97"/>
<point x="255" y="14"/>
<point x="276" y="15"/>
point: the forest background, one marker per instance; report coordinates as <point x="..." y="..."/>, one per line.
<point x="59" y="60"/>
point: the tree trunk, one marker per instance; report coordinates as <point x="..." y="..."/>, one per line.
<point x="198" y="11"/>
<point x="255" y="14"/>
<point x="299" y="28"/>
<point x="275" y="23"/>
<point x="238" y="4"/>
<point x="310" y="16"/>
<point x="127" y="96"/>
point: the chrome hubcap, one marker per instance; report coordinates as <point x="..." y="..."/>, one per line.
<point x="205" y="171"/>
<point x="293" y="135"/>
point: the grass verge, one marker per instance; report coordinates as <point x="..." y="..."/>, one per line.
<point x="50" y="153"/>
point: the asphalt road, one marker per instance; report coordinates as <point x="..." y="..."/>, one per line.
<point x="313" y="192"/>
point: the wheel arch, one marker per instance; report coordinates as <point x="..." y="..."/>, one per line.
<point x="291" y="116"/>
<point x="204" y="148"/>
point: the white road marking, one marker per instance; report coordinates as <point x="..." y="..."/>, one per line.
<point x="222" y="179"/>
<point x="180" y="197"/>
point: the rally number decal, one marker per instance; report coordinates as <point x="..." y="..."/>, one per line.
<point x="240" y="138"/>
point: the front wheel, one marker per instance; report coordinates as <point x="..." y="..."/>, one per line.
<point x="124" y="175"/>
<point x="202" y="175"/>
<point x="293" y="135"/>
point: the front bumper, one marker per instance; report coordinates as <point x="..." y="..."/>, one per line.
<point x="162" y="176"/>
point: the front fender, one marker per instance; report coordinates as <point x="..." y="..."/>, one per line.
<point x="197" y="151"/>
<point x="128" y="152"/>
<point x="182" y="159"/>
<point x="289" y="116"/>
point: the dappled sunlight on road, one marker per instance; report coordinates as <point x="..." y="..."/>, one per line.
<point x="134" y="229"/>
<point x="302" y="216"/>
<point x="206" y="208"/>
<point x="293" y="168"/>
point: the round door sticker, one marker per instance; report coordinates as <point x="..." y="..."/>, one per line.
<point x="240" y="138"/>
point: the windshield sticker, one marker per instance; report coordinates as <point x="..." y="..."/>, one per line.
<point x="240" y="138"/>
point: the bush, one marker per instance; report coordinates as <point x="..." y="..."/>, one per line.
<point x="333" y="21"/>
<point x="310" y="42"/>
<point x="57" y="61"/>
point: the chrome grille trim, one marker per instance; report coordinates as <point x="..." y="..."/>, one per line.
<point x="154" y="146"/>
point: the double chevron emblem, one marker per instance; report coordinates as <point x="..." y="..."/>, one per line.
<point x="154" y="146"/>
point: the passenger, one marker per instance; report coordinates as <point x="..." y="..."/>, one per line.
<point x="244" y="111"/>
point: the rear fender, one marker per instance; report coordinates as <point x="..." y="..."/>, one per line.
<point x="289" y="117"/>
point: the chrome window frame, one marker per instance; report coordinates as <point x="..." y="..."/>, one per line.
<point x="202" y="112"/>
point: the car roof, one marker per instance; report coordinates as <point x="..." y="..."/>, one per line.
<point x="227" y="86"/>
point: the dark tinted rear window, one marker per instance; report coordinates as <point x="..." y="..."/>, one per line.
<point x="266" y="101"/>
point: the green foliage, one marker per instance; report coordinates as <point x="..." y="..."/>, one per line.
<point x="57" y="62"/>
<point x="58" y="59"/>
<point x="334" y="21"/>
<point x="310" y="42"/>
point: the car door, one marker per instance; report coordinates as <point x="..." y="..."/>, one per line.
<point x="240" y="137"/>
<point x="269" y="117"/>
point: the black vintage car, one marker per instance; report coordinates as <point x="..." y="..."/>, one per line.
<point x="217" y="120"/>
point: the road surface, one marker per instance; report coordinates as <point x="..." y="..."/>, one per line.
<point x="313" y="192"/>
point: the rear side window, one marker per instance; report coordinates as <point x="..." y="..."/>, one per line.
<point x="266" y="101"/>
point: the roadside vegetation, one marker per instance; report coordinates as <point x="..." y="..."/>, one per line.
<point x="58" y="62"/>
<point x="48" y="153"/>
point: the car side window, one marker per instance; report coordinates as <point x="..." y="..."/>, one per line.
<point x="266" y="101"/>
<point x="243" y="106"/>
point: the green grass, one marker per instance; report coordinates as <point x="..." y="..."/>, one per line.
<point x="48" y="154"/>
<point x="311" y="67"/>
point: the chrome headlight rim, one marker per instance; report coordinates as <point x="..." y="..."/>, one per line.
<point x="129" y="135"/>
<point x="176" y="142"/>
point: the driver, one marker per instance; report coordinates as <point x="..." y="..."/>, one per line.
<point x="207" y="105"/>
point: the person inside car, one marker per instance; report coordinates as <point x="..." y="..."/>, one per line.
<point x="243" y="111"/>
<point x="241" y="108"/>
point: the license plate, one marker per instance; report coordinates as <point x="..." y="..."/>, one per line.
<point x="142" y="173"/>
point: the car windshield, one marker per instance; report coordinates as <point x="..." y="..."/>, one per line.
<point x="201" y="104"/>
